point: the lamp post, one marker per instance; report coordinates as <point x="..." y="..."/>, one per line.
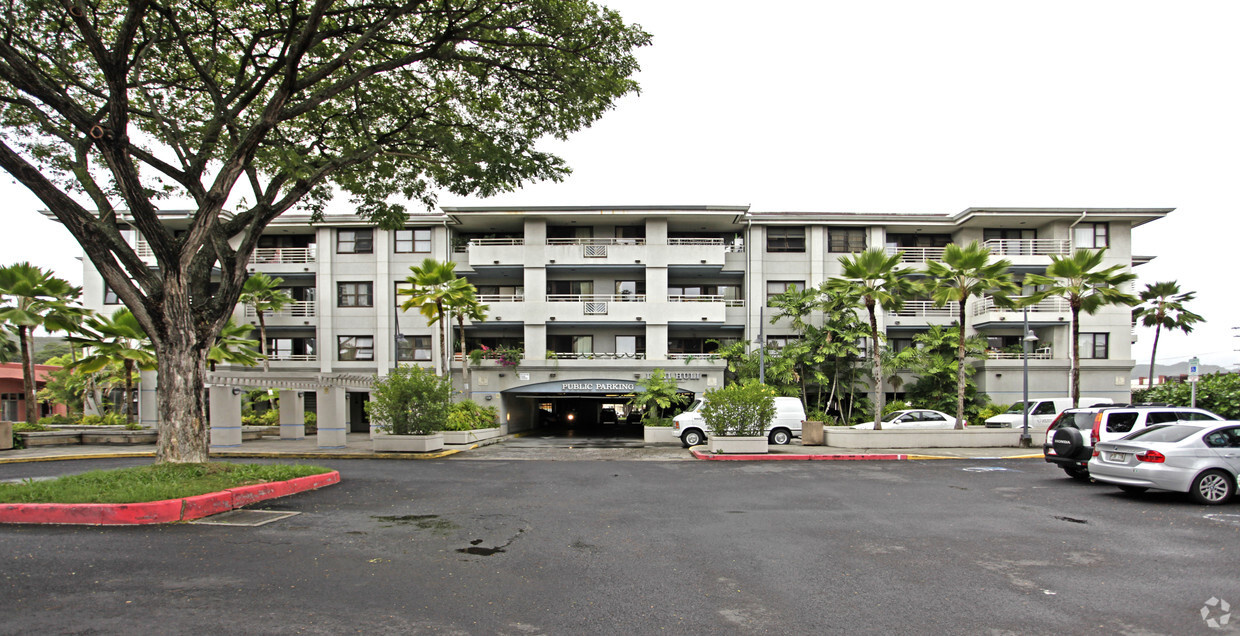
<point x="1026" y="343"/>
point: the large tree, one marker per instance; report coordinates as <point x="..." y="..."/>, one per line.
<point x="966" y="272"/>
<point x="248" y="109"/>
<point x="1078" y="280"/>
<point x="1162" y="305"/>
<point x="877" y="278"/>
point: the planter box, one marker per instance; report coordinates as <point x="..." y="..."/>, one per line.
<point x="469" y="437"/>
<point x="121" y="437"/>
<point x="737" y="445"/>
<point x="6" y="435"/>
<point x="811" y="433"/>
<point x="385" y="443"/>
<point x="659" y="435"/>
<point x="50" y="438"/>
<point x="972" y="437"/>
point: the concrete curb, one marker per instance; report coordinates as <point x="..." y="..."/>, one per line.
<point x="166" y="511"/>
<point x="837" y="457"/>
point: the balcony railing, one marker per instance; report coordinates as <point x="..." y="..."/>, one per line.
<point x="484" y="242"/>
<point x="700" y="298"/>
<point x="917" y="254"/>
<point x="296" y="309"/>
<point x="501" y="298"/>
<point x="1038" y="354"/>
<point x="596" y="298"/>
<point x="727" y="247"/>
<point x="1029" y="247"/>
<point x="569" y="355"/>
<point x="692" y="356"/>
<point x="1045" y="306"/>
<point x="596" y="241"/>
<point x="926" y="309"/>
<point x="290" y="255"/>
<point x="294" y="357"/>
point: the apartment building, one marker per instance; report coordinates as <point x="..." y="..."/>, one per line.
<point x="596" y="298"/>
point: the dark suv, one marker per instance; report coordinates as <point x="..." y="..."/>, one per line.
<point x="1071" y="437"/>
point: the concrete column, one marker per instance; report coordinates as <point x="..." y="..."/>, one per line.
<point x="148" y="403"/>
<point x="325" y="295"/>
<point x="225" y="416"/>
<point x="331" y="417"/>
<point x="292" y="415"/>
<point x="535" y="341"/>
<point x="384" y="288"/>
<point x="656" y="341"/>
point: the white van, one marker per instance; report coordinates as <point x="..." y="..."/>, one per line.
<point x="1041" y="411"/>
<point x="789" y="416"/>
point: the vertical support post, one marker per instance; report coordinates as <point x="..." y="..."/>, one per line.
<point x="225" y="416"/>
<point x="148" y="404"/>
<point x="292" y="415"/>
<point x="331" y="417"/>
<point x="1025" y="440"/>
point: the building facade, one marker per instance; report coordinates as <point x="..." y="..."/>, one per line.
<point x="596" y="298"/>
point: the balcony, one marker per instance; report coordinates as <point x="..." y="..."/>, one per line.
<point x="917" y="254"/>
<point x="596" y="251"/>
<point x="1038" y="354"/>
<point x="926" y="309"/>
<point x="294" y="357"/>
<point x="503" y="307"/>
<point x="571" y="355"/>
<point x="1049" y="310"/>
<point x="496" y="251"/>
<point x="284" y="255"/>
<point x="296" y="309"/>
<point x="611" y="307"/>
<point x="700" y="251"/>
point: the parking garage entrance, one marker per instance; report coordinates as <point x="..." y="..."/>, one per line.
<point x="580" y="408"/>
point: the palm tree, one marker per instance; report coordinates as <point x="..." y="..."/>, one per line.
<point x="462" y="300"/>
<point x="964" y="273"/>
<point x="1162" y="305"/>
<point x="262" y="292"/>
<point x="116" y="340"/>
<point x="35" y="298"/>
<point x="1076" y="279"/>
<point x="879" y="281"/>
<point x="234" y="346"/>
<point x="431" y="286"/>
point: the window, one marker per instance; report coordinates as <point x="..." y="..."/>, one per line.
<point x="1120" y="422"/>
<point x="1091" y="235"/>
<point x="355" y="348"/>
<point x="779" y="342"/>
<point x="777" y="287"/>
<point x="785" y="239"/>
<point x="896" y="345"/>
<point x="416" y="348"/>
<point x="408" y="241"/>
<point x="358" y="294"/>
<point x="570" y="287"/>
<point x="1044" y="408"/>
<point x="360" y="241"/>
<point x="630" y="346"/>
<point x="8" y="406"/>
<point x="1094" y="346"/>
<point x="846" y="240"/>
<point x="630" y="289"/>
<point x="109" y="296"/>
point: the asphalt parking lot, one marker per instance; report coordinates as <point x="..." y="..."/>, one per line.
<point x="551" y="547"/>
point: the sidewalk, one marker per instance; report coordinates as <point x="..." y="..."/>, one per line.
<point x="358" y="446"/>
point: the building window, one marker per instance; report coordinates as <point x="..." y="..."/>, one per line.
<point x="777" y="287"/>
<point x="355" y="348"/>
<point x="360" y="241"/>
<point x="358" y="294"/>
<point x="779" y="342"/>
<point x="630" y="289"/>
<point x="630" y="346"/>
<point x="785" y="239"/>
<point x="1095" y="346"/>
<point x="410" y="241"/>
<point x="846" y="240"/>
<point x="109" y="296"/>
<point x="8" y="406"/>
<point x="414" y="348"/>
<point x="1091" y="235"/>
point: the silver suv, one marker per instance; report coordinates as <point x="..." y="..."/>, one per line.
<point x="1070" y="439"/>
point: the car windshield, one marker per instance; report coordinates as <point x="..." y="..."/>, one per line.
<point x="696" y="404"/>
<point x="1019" y="407"/>
<point x="1164" y="433"/>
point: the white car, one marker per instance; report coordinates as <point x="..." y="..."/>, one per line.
<point x="1200" y="458"/>
<point x="913" y="418"/>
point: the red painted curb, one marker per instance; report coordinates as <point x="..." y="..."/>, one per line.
<point x="165" y="511"/>
<point x="756" y="457"/>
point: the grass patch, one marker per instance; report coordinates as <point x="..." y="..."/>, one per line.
<point x="151" y="483"/>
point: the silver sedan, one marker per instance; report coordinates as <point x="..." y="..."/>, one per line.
<point x="1202" y="461"/>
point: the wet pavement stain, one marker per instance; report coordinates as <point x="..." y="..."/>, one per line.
<point x="479" y="551"/>
<point x="422" y="522"/>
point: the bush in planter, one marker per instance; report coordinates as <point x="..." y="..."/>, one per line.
<point x="742" y="410"/>
<point x="55" y="420"/>
<point x="663" y="422"/>
<point x="468" y="415"/>
<point x="410" y="400"/>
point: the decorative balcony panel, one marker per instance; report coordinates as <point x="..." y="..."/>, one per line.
<point x="283" y="255"/>
<point x="500" y="251"/>
<point x="926" y="309"/>
<point x="297" y="309"/>
<point x="596" y="251"/>
<point x="699" y="251"/>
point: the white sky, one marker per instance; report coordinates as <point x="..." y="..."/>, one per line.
<point x="911" y="106"/>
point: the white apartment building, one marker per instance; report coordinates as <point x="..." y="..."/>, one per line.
<point x="598" y="297"/>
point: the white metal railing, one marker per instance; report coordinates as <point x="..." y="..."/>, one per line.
<point x="143" y="249"/>
<point x="295" y="309"/>
<point x="596" y="241"/>
<point x="486" y="242"/>
<point x="926" y="308"/>
<point x="734" y="302"/>
<point x="695" y="241"/>
<point x="284" y="255"/>
<point x="501" y="298"/>
<point x="917" y="254"/>
<point x="701" y="298"/>
<point x="293" y="357"/>
<point x="569" y="355"/>
<point x="1029" y="247"/>
<point x="596" y="298"/>
<point x="1047" y="305"/>
<point x="692" y="356"/>
<point x="1038" y="354"/>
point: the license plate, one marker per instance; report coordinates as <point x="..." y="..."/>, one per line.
<point x="1115" y="457"/>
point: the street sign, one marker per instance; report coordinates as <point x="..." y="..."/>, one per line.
<point x="1193" y="364"/>
<point x="1192" y="378"/>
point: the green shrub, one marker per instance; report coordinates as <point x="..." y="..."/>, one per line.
<point x="310" y="418"/>
<point x="468" y="415"/>
<point x="269" y="417"/>
<point x="56" y="420"/>
<point x="743" y="410"/>
<point x="991" y="410"/>
<point x="26" y="427"/>
<point x="1218" y="393"/>
<point x="91" y="420"/>
<point x="410" y="400"/>
<point x="658" y="421"/>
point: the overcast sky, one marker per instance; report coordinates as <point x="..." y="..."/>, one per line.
<point x="912" y="106"/>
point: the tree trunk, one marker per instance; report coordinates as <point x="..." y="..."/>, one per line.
<point x="879" y="397"/>
<point x="465" y="371"/>
<point x="28" y="377"/>
<point x="1154" y="351"/>
<point x="128" y="371"/>
<point x="182" y="365"/>
<point x="1076" y="355"/>
<point x="960" y="377"/>
<point x="262" y="333"/>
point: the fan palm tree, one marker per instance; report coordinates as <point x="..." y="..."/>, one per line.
<point x="1078" y="280"/>
<point x="430" y="285"/>
<point x="263" y="293"/>
<point x="116" y="340"/>
<point x="966" y="272"/>
<point x="878" y="280"/>
<point x="462" y="300"/>
<point x="234" y="346"/>
<point x="1162" y="305"/>
<point x="35" y="298"/>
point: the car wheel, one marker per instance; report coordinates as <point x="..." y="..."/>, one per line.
<point x="1133" y="490"/>
<point x="691" y="438"/>
<point x="780" y="436"/>
<point x="1212" y="487"/>
<point x="1076" y="472"/>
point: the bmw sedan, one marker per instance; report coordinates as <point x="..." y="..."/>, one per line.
<point x="1202" y="461"/>
<point x="913" y="418"/>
